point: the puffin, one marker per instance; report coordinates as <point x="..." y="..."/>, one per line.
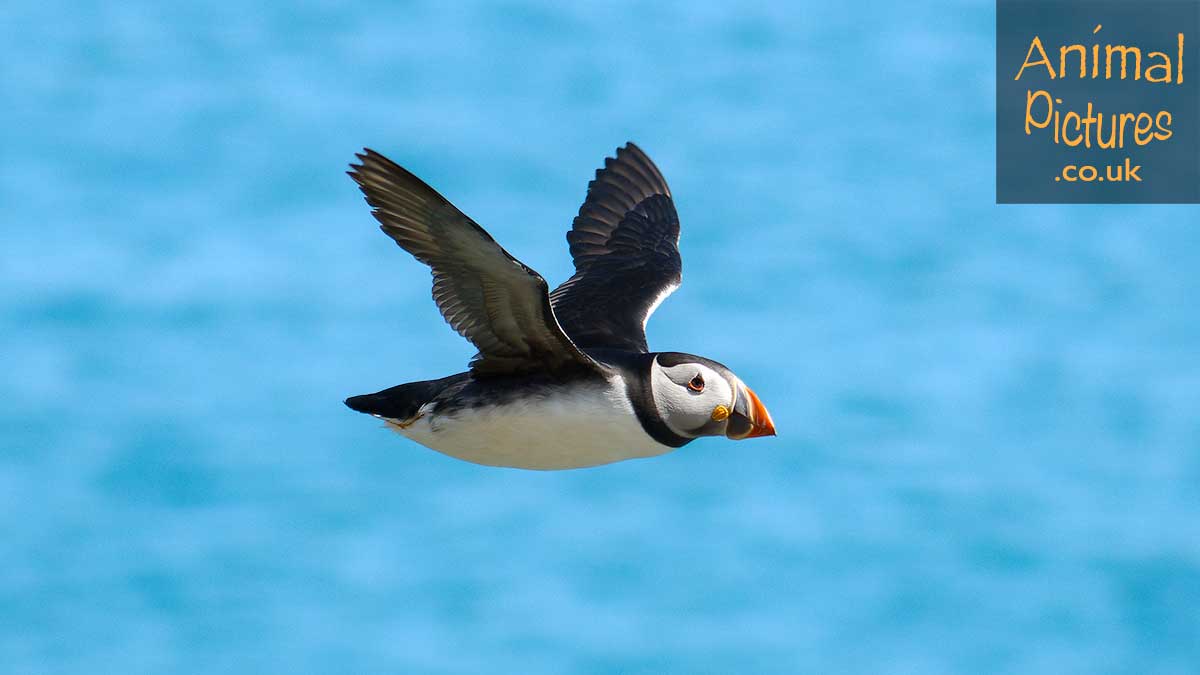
<point x="562" y="379"/>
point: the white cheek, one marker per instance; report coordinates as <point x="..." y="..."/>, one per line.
<point x="720" y="392"/>
<point x="669" y="398"/>
<point x="683" y="410"/>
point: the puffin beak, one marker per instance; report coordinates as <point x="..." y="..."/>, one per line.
<point x="750" y="418"/>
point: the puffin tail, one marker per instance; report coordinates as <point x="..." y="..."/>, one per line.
<point x="402" y="401"/>
<point x="371" y="404"/>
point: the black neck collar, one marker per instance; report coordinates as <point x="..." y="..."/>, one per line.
<point x="636" y="371"/>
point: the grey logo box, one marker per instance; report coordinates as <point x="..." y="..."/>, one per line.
<point x="1052" y="132"/>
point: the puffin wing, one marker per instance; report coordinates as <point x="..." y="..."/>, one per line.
<point x="625" y="243"/>
<point x="488" y="296"/>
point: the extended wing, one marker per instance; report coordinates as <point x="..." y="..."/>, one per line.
<point x="485" y="294"/>
<point x="625" y="243"/>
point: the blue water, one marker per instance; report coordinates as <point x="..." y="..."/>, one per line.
<point x="989" y="450"/>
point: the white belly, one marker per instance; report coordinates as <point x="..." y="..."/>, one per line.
<point x="569" y="430"/>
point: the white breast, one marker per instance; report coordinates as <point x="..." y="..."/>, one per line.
<point x="569" y="428"/>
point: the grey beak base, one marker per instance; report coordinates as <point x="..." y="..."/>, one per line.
<point x="739" y="425"/>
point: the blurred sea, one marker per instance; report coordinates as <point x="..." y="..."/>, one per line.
<point x="989" y="450"/>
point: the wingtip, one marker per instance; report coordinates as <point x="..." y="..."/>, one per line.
<point x="629" y="152"/>
<point x="634" y="149"/>
<point x="367" y="155"/>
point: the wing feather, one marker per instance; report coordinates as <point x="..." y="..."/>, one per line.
<point x="487" y="296"/>
<point x="625" y="244"/>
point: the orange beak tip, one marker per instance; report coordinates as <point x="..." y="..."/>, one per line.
<point x="763" y="424"/>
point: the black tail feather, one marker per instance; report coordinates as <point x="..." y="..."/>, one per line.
<point x="402" y="401"/>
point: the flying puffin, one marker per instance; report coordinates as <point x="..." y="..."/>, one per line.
<point x="563" y="379"/>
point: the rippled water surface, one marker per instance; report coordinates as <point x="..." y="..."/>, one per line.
<point x="989" y="450"/>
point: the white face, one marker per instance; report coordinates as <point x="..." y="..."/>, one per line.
<point x="691" y="396"/>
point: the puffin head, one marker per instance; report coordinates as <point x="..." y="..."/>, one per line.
<point x="695" y="396"/>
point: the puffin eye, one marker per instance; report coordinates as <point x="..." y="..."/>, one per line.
<point x="696" y="384"/>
